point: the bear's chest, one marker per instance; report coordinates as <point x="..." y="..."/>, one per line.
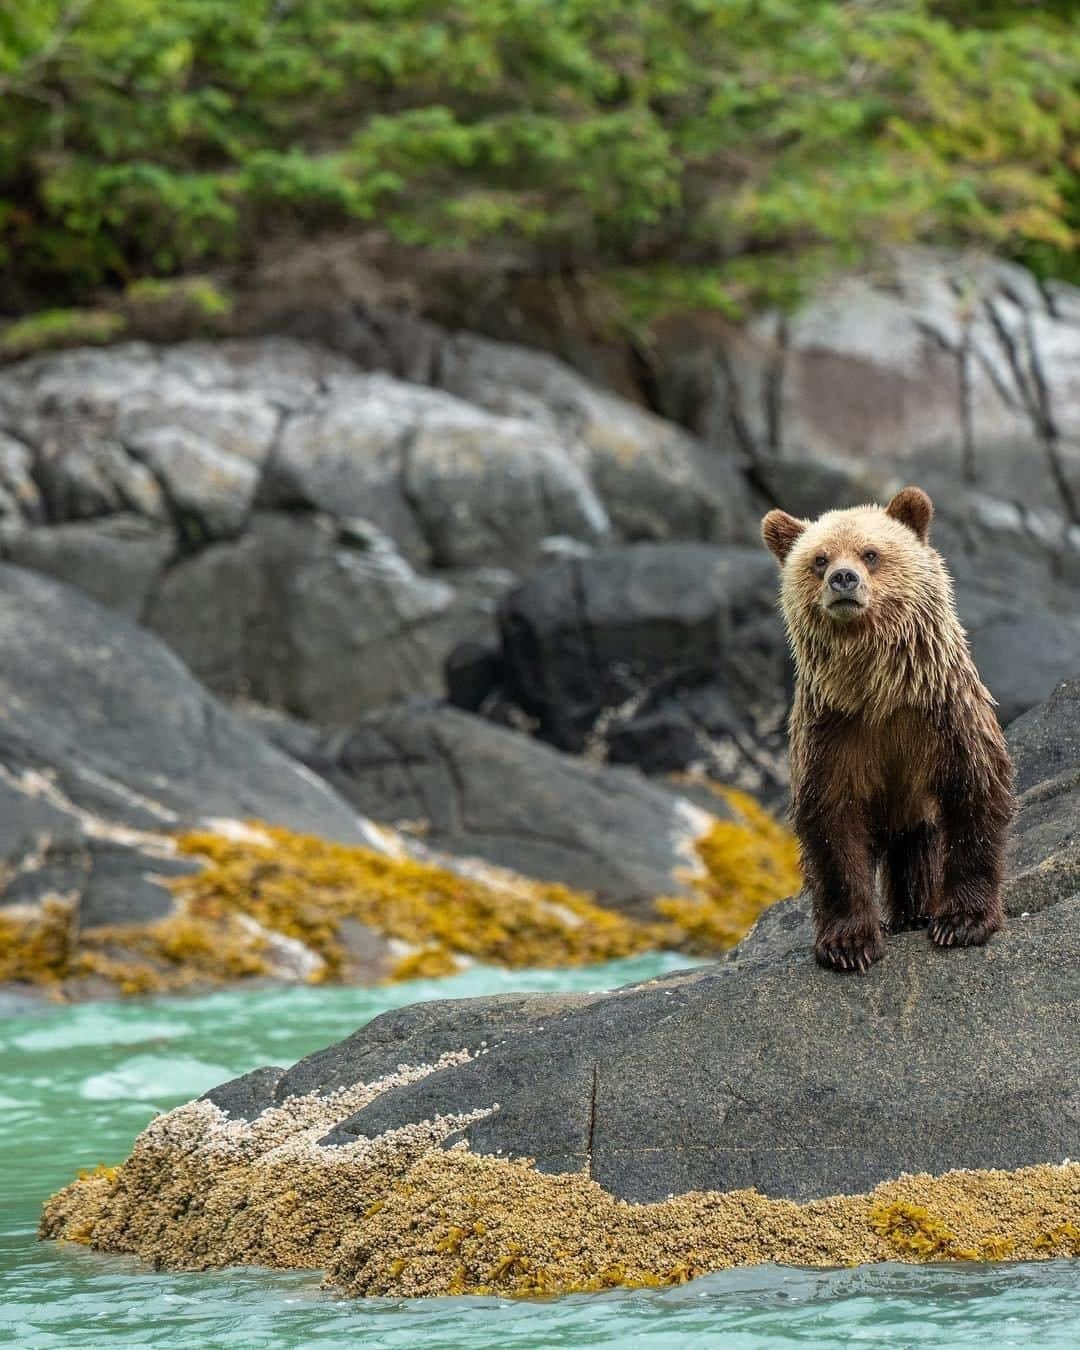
<point x="890" y="767"/>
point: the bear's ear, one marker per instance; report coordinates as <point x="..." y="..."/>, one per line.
<point x="779" y="530"/>
<point x="913" y="508"/>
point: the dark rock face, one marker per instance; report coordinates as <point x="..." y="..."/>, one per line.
<point x="1021" y="656"/>
<point x="1045" y="745"/>
<point x="106" y="743"/>
<point x="307" y="614"/>
<point x="479" y="790"/>
<point x="662" y="655"/>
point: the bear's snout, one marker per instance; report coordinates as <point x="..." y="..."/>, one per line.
<point x="843" y="580"/>
<point x="845" y="594"/>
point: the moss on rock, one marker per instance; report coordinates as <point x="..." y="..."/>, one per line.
<point x="263" y="886"/>
<point x="749" y="863"/>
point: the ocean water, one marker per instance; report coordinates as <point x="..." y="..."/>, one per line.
<point x="76" y="1085"/>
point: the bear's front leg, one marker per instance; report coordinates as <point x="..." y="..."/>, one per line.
<point x="839" y="867"/>
<point x="976" y="805"/>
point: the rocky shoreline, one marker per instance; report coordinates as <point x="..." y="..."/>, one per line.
<point x="404" y="1215"/>
<point x="758" y="1109"/>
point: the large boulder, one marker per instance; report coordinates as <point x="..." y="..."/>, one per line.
<point x="118" y="559"/>
<point x="767" y="1070"/>
<point x="474" y="789"/>
<point x="656" y="482"/>
<point x="931" y="362"/>
<point x="452" y="484"/>
<point x="663" y="655"/>
<point x="318" y="535"/>
<point x="108" y="746"/>
<point x="318" y="616"/>
<point x="766" y="1073"/>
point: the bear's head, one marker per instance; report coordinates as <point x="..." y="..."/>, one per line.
<point x="858" y="571"/>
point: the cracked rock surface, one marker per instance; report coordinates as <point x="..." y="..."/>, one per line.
<point x="309" y="533"/>
<point x="328" y="522"/>
<point x="933" y="362"/>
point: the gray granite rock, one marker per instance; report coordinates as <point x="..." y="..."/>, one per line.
<point x="107" y="743"/>
<point x="314" y="616"/>
<point x="452" y="484"/>
<point x="478" y="790"/>
<point x="932" y="362"/>
<point x="765" y="1071"/>
<point x="663" y="655"/>
<point x="117" y="559"/>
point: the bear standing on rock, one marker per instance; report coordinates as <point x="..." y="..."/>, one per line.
<point x="897" y="759"/>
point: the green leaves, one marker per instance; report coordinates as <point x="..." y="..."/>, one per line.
<point x="682" y="148"/>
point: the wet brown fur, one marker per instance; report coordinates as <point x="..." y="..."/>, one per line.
<point x="899" y="767"/>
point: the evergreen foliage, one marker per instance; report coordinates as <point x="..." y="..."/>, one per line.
<point x="686" y="151"/>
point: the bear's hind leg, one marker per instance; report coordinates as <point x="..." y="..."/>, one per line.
<point x="912" y="873"/>
<point x="974" y="814"/>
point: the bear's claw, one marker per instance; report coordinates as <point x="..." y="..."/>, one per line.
<point x="962" y="930"/>
<point x="854" y="952"/>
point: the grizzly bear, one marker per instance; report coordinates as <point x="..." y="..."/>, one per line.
<point x="898" y="764"/>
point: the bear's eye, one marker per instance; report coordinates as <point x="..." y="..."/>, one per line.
<point x="870" y="557"/>
<point x="820" y="561"/>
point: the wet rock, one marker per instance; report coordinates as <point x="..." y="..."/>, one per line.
<point x="663" y="654"/>
<point x="473" y="789"/>
<point x="657" y="482"/>
<point x="1022" y="656"/>
<point x="797" y="1093"/>
<point x="210" y="492"/>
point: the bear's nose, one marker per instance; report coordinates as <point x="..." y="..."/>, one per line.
<point x="844" y="580"/>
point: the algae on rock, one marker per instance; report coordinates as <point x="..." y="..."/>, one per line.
<point x="272" y="902"/>
<point x="401" y="1215"/>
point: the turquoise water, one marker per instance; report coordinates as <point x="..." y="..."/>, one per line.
<point x="76" y="1085"/>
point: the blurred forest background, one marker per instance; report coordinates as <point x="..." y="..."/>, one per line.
<point x="692" y="153"/>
